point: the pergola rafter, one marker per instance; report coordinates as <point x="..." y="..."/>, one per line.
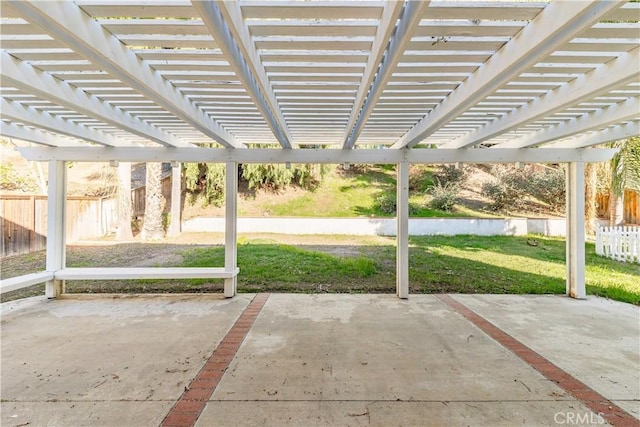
<point x="610" y="134"/>
<point x="36" y="136"/>
<point x="553" y="27"/>
<point x="68" y="23"/>
<point x="616" y="113"/>
<point x="20" y="74"/>
<point x="31" y="116"/>
<point x="616" y="73"/>
<point x="390" y="15"/>
<point x="235" y="40"/>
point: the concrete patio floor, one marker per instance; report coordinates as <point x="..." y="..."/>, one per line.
<point x="327" y="359"/>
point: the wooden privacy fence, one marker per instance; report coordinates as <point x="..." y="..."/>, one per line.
<point x="619" y="243"/>
<point x="138" y="197"/>
<point x="23" y="221"/>
<point x="631" y="207"/>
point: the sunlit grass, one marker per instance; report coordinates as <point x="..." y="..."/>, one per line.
<point x="282" y="263"/>
<point x="464" y="264"/>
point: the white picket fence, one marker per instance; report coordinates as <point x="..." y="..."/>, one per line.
<point x="619" y="243"/>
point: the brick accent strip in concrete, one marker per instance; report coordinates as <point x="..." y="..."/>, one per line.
<point x="188" y="408"/>
<point x="582" y="392"/>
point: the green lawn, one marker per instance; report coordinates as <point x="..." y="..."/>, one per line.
<point x="460" y="264"/>
<point x="352" y="264"/>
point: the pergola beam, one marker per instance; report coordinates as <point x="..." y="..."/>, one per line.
<point x="390" y="15"/>
<point x="613" y="74"/>
<point x="556" y="25"/>
<point x="328" y="156"/>
<point x="29" y="115"/>
<point x="224" y="21"/>
<point x="25" y="77"/>
<point x="68" y="23"/>
<point x="617" y="113"/>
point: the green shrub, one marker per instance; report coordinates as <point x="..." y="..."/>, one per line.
<point x="215" y="183"/>
<point x="502" y="196"/>
<point x="419" y="178"/>
<point x="451" y="175"/>
<point x="11" y="180"/>
<point x="267" y="175"/>
<point x="548" y="186"/>
<point x="385" y="204"/>
<point x="443" y="197"/>
<point x="513" y="185"/>
<point x="207" y="179"/>
<point x="310" y="176"/>
<point x="192" y="176"/>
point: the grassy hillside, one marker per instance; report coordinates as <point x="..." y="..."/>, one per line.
<point x="361" y="192"/>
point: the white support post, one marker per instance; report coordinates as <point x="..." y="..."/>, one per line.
<point x="175" y="227"/>
<point x="575" y="252"/>
<point x="402" y="214"/>
<point x="231" y="227"/>
<point x="56" y="225"/>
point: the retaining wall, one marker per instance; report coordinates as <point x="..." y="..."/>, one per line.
<point x="384" y="226"/>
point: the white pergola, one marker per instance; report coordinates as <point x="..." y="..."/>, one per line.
<point x="315" y="82"/>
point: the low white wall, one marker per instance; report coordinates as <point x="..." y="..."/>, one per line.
<point x="384" y="226"/>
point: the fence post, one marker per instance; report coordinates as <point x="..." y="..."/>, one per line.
<point x="56" y="225"/>
<point x="619" y="243"/>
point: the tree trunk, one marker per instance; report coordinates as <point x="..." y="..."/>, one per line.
<point x="590" y="193"/>
<point x="616" y="208"/>
<point x="124" y="202"/>
<point x="154" y="204"/>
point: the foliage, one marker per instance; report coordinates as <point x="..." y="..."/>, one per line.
<point x="419" y="178"/>
<point x="310" y="176"/>
<point x="451" y="175"/>
<point x="215" y="180"/>
<point x="269" y="176"/>
<point x="359" y="168"/>
<point x="625" y="166"/>
<point x="192" y="176"/>
<point x="207" y="179"/>
<point x="548" y="186"/>
<point x="386" y="204"/>
<point x="11" y="180"/>
<point x="501" y="195"/>
<point x="443" y="196"/>
<point x="513" y="185"/>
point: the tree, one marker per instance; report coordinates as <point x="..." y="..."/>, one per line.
<point x="154" y="203"/>
<point x="124" y="202"/>
<point x="625" y="173"/>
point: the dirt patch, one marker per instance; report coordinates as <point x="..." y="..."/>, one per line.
<point x="167" y="252"/>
